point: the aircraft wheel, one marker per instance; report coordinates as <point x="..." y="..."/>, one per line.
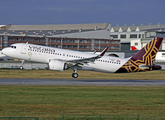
<point x="21" y="67"/>
<point x="74" y="75"/>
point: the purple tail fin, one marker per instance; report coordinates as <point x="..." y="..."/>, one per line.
<point x="147" y="54"/>
<point x="144" y="57"/>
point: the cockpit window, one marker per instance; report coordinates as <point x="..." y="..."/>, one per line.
<point x="13" y="47"/>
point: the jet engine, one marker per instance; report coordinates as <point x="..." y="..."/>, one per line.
<point x="57" y="65"/>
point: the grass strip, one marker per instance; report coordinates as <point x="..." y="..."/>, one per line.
<point x="52" y="101"/>
<point x="148" y="75"/>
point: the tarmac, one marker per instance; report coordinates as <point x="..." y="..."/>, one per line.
<point x="71" y="82"/>
<point x="81" y="82"/>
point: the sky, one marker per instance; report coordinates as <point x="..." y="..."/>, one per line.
<point x="115" y="12"/>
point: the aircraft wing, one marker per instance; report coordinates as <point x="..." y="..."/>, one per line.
<point x="81" y="62"/>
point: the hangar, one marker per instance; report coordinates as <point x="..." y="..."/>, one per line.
<point x="67" y="36"/>
<point x="137" y="35"/>
<point x="86" y="37"/>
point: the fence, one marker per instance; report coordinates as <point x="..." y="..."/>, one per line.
<point x="19" y="118"/>
<point x="104" y="117"/>
<point x="88" y="117"/>
<point x="26" y="65"/>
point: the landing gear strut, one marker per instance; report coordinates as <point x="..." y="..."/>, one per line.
<point x="74" y="74"/>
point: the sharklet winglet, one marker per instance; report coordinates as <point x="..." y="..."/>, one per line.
<point x="104" y="51"/>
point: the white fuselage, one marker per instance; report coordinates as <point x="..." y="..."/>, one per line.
<point x="43" y="54"/>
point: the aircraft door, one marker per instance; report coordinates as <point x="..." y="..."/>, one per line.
<point x="23" y="50"/>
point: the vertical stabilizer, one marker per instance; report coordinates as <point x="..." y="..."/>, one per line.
<point x="143" y="59"/>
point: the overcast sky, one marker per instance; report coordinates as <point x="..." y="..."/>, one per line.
<point x="116" y="12"/>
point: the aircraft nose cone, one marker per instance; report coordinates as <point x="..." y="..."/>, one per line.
<point x="4" y="51"/>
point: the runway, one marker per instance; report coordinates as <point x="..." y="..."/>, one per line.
<point x="81" y="82"/>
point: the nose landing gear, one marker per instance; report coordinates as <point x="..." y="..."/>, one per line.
<point x="21" y="67"/>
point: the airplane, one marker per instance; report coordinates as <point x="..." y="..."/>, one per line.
<point x="62" y="59"/>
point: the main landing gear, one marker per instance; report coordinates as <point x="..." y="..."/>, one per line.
<point x="74" y="74"/>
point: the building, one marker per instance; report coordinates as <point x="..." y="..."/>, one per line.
<point x="67" y="36"/>
<point x="88" y="37"/>
<point x="135" y="34"/>
<point x="140" y="43"/>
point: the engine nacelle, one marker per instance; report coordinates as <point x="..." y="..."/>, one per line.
<point x="57" y="65"/>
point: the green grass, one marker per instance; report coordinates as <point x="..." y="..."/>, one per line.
<point x="52" y="101"/>
<point x="148" y="75"/>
